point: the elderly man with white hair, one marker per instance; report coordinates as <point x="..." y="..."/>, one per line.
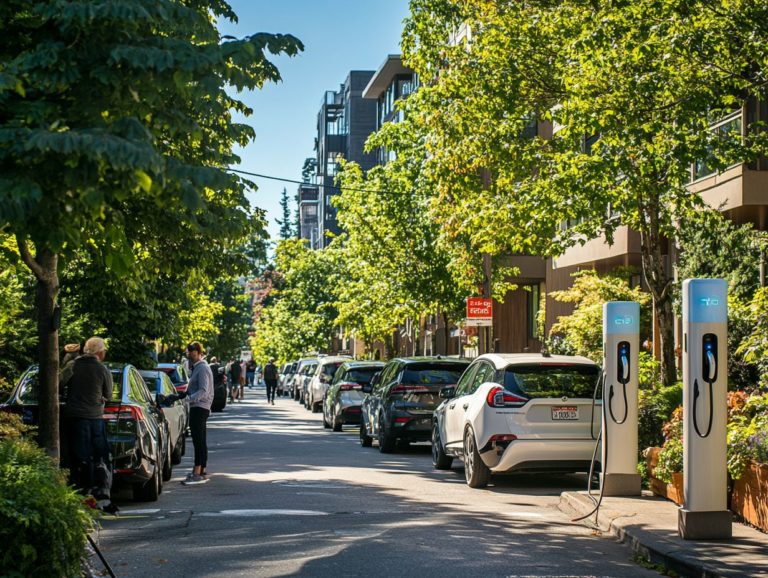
<point x="88" y="387"/>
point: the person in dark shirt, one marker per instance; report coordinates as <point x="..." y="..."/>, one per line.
<point x="270" y="378"/>
<point x="88" y="386"/>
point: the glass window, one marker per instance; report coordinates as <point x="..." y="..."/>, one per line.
<point x="361" y="375"/>
<point x="28" y="387"/>
<point x="465" y="380"/>
<point x="484" y="374"/>
<point x="432" y="374"/>
<point x="551" y="380"/>
<point x="329" y="369"/>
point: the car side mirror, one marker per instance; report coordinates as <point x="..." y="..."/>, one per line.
<point x="161" y="400"/>
<point x="367" y="388"/>
<point x="448" y="392"/>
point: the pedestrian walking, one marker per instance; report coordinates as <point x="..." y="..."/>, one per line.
<point x="200" y="394"/>
<point x="88" y="387"/>
<point x="250" y="373"/>
<point x="270" y="378"/>
<point x="234" y="380"/>
<point x="243" y="373"/>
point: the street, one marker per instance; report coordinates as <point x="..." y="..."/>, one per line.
<point x="287" y="497"/>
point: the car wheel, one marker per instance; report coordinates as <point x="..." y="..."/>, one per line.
<point x="183" y="444"/>
<point x="440" y="460"/>
<point x="336" y="423"/>
<point x="315" y="407"/>
<point x="178" y="451"/>
<point x="476" y="472"/>
<point x="150" y="490"/>
<point x="365" y="439"/>
<point x="326" y="425"/>
<point x="386" y="441"/>
<point x="167" y="467"/>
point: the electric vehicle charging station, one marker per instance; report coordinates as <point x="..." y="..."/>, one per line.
<point x="705" y="514"/>
<point x="621" y="342"/>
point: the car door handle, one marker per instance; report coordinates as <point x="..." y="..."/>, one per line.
<point x="465" y="406"/>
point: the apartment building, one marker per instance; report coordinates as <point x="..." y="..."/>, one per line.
<point x="740" y="192"/>
<point x="308" y="213"/>
<point x="344" y="122"/>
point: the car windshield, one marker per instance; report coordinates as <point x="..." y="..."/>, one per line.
<point x="28" y="387"/>
<point x="551" y="380"/>
<point x="361" y="375"/>
<point x="432" y="374"/>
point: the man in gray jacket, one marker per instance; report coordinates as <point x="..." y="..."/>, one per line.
<point x="200" y="394"/>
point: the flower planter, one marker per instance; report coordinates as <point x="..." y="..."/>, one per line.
<point x="673" y="491"/>
<point x="749" y="498"/>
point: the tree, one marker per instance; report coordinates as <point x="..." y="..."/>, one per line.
<point x="632" y="89"/>
<point x="286" y="225"/>
<point x="112" y="114"/>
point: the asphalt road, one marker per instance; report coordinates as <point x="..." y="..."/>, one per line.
<point x="287" y="497"/>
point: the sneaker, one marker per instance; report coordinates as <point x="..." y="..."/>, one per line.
<point x="189" y="477"/>
<point x="195" y="480"/>
<point x="273" y="402"/>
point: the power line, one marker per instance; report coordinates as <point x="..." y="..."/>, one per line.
<point x="284" y="180"/>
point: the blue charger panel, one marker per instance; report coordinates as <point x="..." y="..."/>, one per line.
<point x="707" y="300"/>
<point x="621" y="317"/>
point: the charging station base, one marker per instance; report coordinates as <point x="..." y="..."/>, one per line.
<point x="705" y="525"/>
<point x="621" y="484"/>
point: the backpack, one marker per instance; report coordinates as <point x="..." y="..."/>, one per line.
<point x="270" y="371"/>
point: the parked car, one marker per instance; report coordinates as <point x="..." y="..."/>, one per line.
<point x="518" y="412"/>
<point x="304" y="369"/>
<point x="318" y="383"/>
<point x="178" y="374"/>
<point x="344" y="398"/>
<point x="400" y="401"/>
<point x="176" y="412"/>
<point x="137" y="430"/>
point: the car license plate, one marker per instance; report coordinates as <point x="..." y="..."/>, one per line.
<point x="565" y="413"/>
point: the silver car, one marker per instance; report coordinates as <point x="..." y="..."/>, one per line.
<point x="344" y="397"/>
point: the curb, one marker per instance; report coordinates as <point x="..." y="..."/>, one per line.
<point x="684" y="561"/>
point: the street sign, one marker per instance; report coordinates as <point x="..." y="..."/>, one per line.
<point x="479" y="312"/>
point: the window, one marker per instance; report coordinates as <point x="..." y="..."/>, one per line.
<point x="484" y="374"/>
<point x="466" y="380"/>
<point x="432" y="374"/>
<point x="728" y="128"/>
<point x="551" y="380"/>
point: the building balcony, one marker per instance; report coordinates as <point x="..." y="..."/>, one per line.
<point x="739" y="191"/>
<point x="626" y="244"/>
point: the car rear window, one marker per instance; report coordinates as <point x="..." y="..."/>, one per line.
<point x="117" y="384"/>
<point x="432" y="374"/>
<point x="329" y="369"/>
<point x="28" y="388"/>
<point x="551" y="380"/>
<point x="173" y="373"/>
<point x="361" y="375"/>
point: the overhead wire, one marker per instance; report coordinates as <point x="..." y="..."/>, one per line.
<point x="297" y="182"/>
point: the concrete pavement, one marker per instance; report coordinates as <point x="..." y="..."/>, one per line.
<point x="649" y="525"/>
<point x="287" y="497"/>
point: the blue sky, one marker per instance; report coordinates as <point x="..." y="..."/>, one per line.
<point x="338" y="36"/>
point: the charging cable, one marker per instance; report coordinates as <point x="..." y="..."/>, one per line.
<point x="696" y="396"/>
<point x="600" y="436"/>
<point x="626" y="404"/>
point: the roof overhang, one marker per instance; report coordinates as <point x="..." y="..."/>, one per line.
<point x="391" y="67"/>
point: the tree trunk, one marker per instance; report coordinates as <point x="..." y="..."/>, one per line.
<point x="660" y="285"/>
<point x="44" y="265"/>
<point x="447" y="333"/>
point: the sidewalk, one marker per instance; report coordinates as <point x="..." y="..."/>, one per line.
<point x="649" y="525"/>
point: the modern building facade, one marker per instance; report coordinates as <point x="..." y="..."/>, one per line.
<point x="344" y="123"/>
<point x="308" y="213"/>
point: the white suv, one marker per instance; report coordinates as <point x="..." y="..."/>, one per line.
<point x="518" y="412"/>
<point x="318" y="384"/>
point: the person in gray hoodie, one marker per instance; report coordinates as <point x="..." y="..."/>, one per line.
<point x="200" y="394"/>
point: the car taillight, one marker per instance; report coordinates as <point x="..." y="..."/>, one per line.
<point x="123" y="412"/>
<point x="410" y="389"/>
<point x="499" y="397"/>
<point x="403" y="419"/>
<point x="349" y="386"/>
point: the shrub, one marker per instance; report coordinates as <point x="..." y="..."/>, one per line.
<point x="12" y="427"/>
<point x="43" y="522"/>
<point x="655" y="408"/>
<point x="670" y="460"/>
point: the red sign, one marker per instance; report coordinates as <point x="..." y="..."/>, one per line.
<point x="479" y="308"/>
